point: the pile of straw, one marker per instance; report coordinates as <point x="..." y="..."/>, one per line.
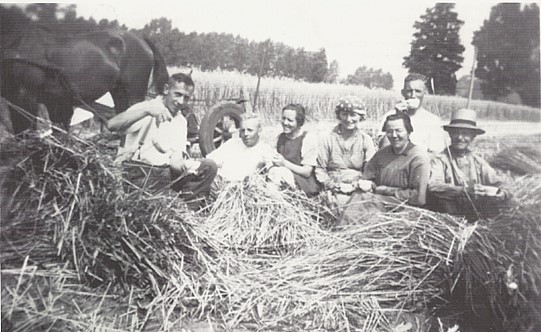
<point x="352" y="278"/>
<point x="257" y="217"/>
<point x="501" y="266"/>
<point x="70" y="208"/>
<point x="257" y="256"/>
<point x="520" y="160"/>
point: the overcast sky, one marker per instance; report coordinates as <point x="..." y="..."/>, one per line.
<point x="375" y="34"/>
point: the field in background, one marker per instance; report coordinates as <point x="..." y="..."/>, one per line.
<point x="320" y="98"/>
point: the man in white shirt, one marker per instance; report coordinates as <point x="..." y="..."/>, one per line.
<point x="239" y="158"/>
<point x="427" y="132"/>
<point x="155" y="143"/>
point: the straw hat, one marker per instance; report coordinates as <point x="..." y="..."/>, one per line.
<point x="464" y="119"/>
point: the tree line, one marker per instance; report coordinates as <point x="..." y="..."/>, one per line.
<point x="207" y="51"/>
<point x="507" y="44"/>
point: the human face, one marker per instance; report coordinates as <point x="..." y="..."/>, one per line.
<point x="289" y="121"/>
<point x="177" y="96"/>
<point x="414" y="89"/>
<point x="461" y="138"/>
<point x="249" y="132"/>
<point x="397" y="134"/>
<point x="348" y="120"/>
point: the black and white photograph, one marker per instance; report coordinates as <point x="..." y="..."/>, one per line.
<point x="228" y="166"/>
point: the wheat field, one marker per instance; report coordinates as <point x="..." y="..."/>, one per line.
<point x="320" y="98"/>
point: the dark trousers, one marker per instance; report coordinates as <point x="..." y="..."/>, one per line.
<point x="157" y="179"/>
<point x="194" y="186"/>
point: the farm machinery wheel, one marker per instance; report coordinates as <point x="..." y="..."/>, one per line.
<point x="219" y="125"/>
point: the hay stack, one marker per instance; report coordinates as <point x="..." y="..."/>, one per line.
<point x="351" y="278"/>
<point x="256" y="217"/>
<point x="70" y="207"/>
<point x="501" y="265"/>
<point x="259" y="256"/>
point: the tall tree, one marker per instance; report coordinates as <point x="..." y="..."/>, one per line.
<point x="508" y="52"/>
<point x="436" y="51"/>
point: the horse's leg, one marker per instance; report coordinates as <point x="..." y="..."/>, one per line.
<point x="60" y="110"/>
<point x="120" y="98"/>
<point x="23" y="114"/>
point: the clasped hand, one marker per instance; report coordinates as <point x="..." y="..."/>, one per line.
<point x="278" y="160"/>
<point x="487" y="191"/>
<point x="161" y="115"/>
<point x="347" y="188"/>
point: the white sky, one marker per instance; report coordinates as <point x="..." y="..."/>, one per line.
<point x="375" y="34"/>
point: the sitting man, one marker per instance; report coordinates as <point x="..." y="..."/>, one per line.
<point x="461" y="182"/>
<point x="239" y="158"/>
<point x="154" y="148"/>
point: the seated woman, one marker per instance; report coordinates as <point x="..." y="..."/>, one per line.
<point x="297" y="153"/>
<point x="344" y="152"/>
<point x="396" y="174"/>
<point x="461" y="182"/>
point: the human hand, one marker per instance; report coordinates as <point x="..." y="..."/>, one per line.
<point x="278" y="160"/>
<point x="344" y="188"/>
<point x="161" y="115"/>
<point x="364" y="185"/>
<point x="401" y="106"/>
<point x="385" y="191"/>
<point x="412" y="103"/>
<point x="489" y="191"/>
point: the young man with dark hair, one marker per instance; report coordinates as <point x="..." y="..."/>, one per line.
<point x="155" y="143"/>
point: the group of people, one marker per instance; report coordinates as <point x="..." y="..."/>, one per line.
<point x="412" y="164"/>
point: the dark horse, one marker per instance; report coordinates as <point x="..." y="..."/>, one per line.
<point x="62" y="71"/>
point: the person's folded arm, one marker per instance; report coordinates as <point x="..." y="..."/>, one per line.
<point x="321" y="173"/>
<point x="438" y="183"/>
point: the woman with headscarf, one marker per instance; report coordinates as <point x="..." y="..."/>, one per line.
<point x="344" y="151"/>
<point x="397" y="174"/>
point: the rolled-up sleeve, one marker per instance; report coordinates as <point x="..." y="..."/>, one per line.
<point x="323" y="156"/>
<point x="440" y="182"/>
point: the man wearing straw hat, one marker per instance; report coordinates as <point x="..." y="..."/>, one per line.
<point x="461" y="182"/>
<point x="427" y="126"/>
<point x="154" y="148"/>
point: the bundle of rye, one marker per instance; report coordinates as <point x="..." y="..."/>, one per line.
<point x="257" y="217"/>
<point x="521" y="160"/>
<point x="500" y="268"/>
<point x="69" y="207"/>
<point x="358" y="277"/>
